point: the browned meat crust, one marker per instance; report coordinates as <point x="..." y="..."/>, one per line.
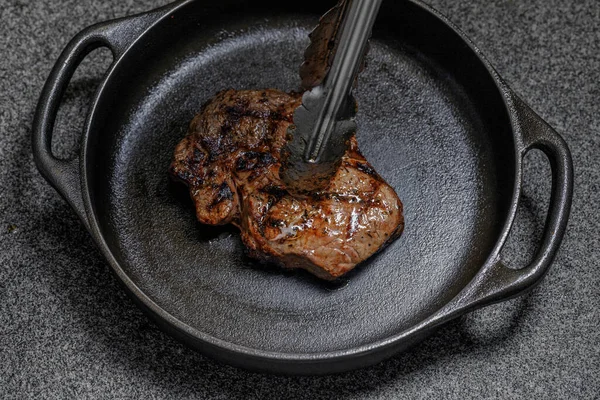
<point x="230" y="161"/>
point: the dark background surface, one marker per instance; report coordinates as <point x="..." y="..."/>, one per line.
<point x="67" y="329"/>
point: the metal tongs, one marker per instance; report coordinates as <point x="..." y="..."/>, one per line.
<point x="325" y="120"/>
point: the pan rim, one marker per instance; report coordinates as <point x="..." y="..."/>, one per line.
<point x="360" y="351"/>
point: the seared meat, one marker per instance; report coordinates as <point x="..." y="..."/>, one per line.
<point x="230" y="161"/>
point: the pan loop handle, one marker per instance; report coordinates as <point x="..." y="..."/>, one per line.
<point x="496" y="282"/>
<point x="117" y="35"/>
<point x="537" y="134"/>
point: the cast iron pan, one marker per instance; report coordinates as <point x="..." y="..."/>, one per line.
<point x="435" y="120"/>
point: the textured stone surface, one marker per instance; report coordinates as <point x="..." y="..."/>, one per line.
<point x="67" y="330"/>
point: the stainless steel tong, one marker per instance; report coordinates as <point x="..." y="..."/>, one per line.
<point x="325" y="120"/>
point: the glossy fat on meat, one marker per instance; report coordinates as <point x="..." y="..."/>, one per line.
<point x="230" y="161"/>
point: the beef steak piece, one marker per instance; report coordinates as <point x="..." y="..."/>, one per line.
<point x="230" y="161"/>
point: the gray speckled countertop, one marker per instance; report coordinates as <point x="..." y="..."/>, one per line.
<point x="67" y="330"/>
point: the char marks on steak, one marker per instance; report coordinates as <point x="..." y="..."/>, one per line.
<point x="230" y="161"/>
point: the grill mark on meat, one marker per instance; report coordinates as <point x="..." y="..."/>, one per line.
<point x="214" y="145"/>
<point x="274" y="190"/>
<point x="242" y="164"/>
<point x="362" y="167"/>
<point x="199" y="156"/>
<point x="223" y="193"/>
<point x="251" y="160"/>
<point x="230" y="160"/>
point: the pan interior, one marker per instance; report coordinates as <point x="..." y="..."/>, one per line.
<point x="423" y="124"/>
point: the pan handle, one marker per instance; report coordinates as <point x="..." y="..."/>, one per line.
<point x="117" y="35"/>
<point x="497" y="282"/>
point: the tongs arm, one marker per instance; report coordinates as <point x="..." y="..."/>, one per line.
<point x="357" y="23"/>
<point x="325" y="120"/>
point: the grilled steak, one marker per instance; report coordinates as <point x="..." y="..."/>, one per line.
<point x="230" y="161"/>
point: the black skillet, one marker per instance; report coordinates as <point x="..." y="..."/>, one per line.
<point x="435" y="120"/>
